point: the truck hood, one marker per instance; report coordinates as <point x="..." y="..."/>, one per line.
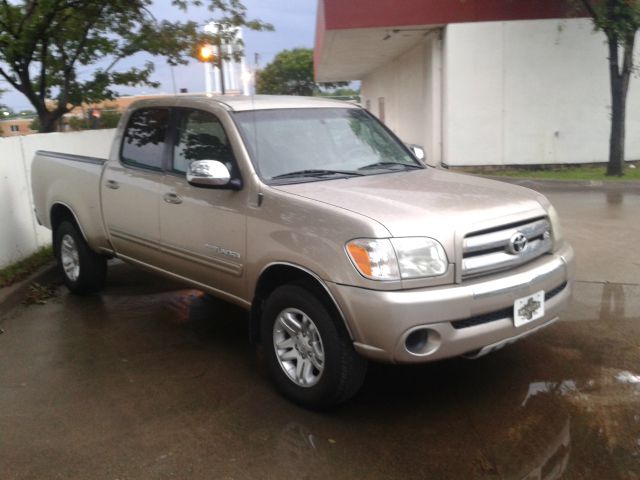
<point x="426" y="202"/>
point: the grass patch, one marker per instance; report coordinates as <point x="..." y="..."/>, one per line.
<point x="565" y="173"/>
<point x="19" y="270"/>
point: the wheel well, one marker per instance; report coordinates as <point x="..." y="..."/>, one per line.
<point x="60" y="213"/>
<point x="278" y="275"/>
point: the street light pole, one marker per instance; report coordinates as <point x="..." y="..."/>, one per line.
<point x="207" y="77"/>
<point x="220" y="62"/>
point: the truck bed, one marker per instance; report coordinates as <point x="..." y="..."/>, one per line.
<point x="72" y="181"/>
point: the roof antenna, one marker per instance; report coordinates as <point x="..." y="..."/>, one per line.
<point x="252" y="91"/>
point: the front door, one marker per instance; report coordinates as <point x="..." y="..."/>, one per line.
<point x="203" y="230"/>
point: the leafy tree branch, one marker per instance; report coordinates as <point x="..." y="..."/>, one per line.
<point x="47" y="45"/>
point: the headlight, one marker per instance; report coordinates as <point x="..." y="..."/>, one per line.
<point x="406" y="258"/>
<point x="556" y="230"/>
<point x="419" y="257"/>
<point x="375" y="259"/>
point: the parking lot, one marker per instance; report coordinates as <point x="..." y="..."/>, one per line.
<point x="153" y="380"/>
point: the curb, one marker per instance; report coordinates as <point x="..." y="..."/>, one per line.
<point x="584" y="185"/>
<point x="13" y="295"/>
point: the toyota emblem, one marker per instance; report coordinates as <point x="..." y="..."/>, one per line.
<point x="517" y="243"/>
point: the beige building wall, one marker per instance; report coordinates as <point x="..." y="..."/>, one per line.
<point x="504" y="93"/>
<point x="531" y="92"/>
<point x="406" y="94"/>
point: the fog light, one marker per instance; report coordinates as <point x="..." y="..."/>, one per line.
<point x="416" y="341"/>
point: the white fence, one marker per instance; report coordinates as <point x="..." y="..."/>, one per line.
<point x="20" y="234"/>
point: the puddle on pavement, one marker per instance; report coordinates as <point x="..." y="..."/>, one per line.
<point x="170" y="375"/>
<point x="548" y="436"/>
<point x="584" y="427"/>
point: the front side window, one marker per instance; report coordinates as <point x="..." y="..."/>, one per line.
<point x="290" y="144"/>
<point x="200" y="136"/>
<point x="144" y="139"/>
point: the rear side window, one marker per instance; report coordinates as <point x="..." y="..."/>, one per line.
<point x="143" y="144"/>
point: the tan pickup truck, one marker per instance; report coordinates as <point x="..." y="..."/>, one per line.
<point x="313" y="216"/>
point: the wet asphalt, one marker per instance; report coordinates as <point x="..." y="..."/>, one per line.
<point x="150" y="380"/>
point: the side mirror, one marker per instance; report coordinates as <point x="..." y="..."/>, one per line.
<point x="211" y="173"/>
<point x="418" y="152"/>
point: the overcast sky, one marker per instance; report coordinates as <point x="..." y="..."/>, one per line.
<point x="294" y="23"/>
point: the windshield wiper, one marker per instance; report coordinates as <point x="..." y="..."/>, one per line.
<point x="316" y="173"/>
<point x="391" y="166"/>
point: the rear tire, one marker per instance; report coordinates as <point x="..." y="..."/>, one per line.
<point x="309" y="354"/>
<point x="83" y="270"/>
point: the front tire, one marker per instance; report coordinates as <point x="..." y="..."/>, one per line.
<point x="83" y="270"/>
<point x="309" y="354"/>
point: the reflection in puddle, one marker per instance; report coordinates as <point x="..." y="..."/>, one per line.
<point x="182" y="303"/>
<point x="302" y="452"/>
<point x="570" y="386"/>
<point x="554" y="462"/>
<point x="537" y="443"/>
<point x="615" y="197"/>
<point x="612" y="303"/>
<point x="628" y="377"/>
<point x="562" y="388"/>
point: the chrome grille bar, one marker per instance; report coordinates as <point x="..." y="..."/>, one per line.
<point x="487" y="252"/>
<point x="489" y="241"/>
<point x="503" y="260"/>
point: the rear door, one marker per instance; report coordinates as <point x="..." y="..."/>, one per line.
<point x="132" y="183"/>
<point x="203" y="229"/>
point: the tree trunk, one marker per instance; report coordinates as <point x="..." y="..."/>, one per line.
<point x="619" y="89"/>
<point x="49" y="122"/>
<point x="616" y="140"/>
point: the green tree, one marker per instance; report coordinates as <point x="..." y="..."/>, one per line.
<point x="63" y="53"/>
<point x="344" y="93"/>
<point x="620" y="21"/>
<point x="6" y="112"/>
<point x="107" y="119"/>
<point x="110" y="119"/>
<point x="35" y="125"/>
<point x="291" y="73"/>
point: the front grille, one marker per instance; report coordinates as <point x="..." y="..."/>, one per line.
<point x="492" y="250"/>
<point x="500" y="314"/>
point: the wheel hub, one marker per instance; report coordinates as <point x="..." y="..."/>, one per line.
<point x="298" y="347"/>
<point x="70" y="257"/>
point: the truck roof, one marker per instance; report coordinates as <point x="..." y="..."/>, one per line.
<point x="242" y="102"/>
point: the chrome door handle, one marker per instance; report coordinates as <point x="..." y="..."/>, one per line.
<point x="172" y="198"/>
<point x="112" y="184"/>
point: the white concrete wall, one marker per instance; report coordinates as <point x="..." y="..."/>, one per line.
<point x="410" y="86"/>
<point x="20" y="235"/>
<point x="530" y="92"/>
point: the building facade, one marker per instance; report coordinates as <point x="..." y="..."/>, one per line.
<point x="15" y="126"/>
<point x="478" y="82"/>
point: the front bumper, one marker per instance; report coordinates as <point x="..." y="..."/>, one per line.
<point x="470" y="318"/>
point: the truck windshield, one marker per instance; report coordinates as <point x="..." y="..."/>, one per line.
<point x="303" y="144"/>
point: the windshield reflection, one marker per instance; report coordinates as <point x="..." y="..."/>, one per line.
<point x="283" y="142"/>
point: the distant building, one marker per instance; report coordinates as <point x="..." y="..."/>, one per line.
<point x="21" y="126"/>
<point x="119" y="104"/>
<point x="478" y="82"/>
<point x="15" y="126"/>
